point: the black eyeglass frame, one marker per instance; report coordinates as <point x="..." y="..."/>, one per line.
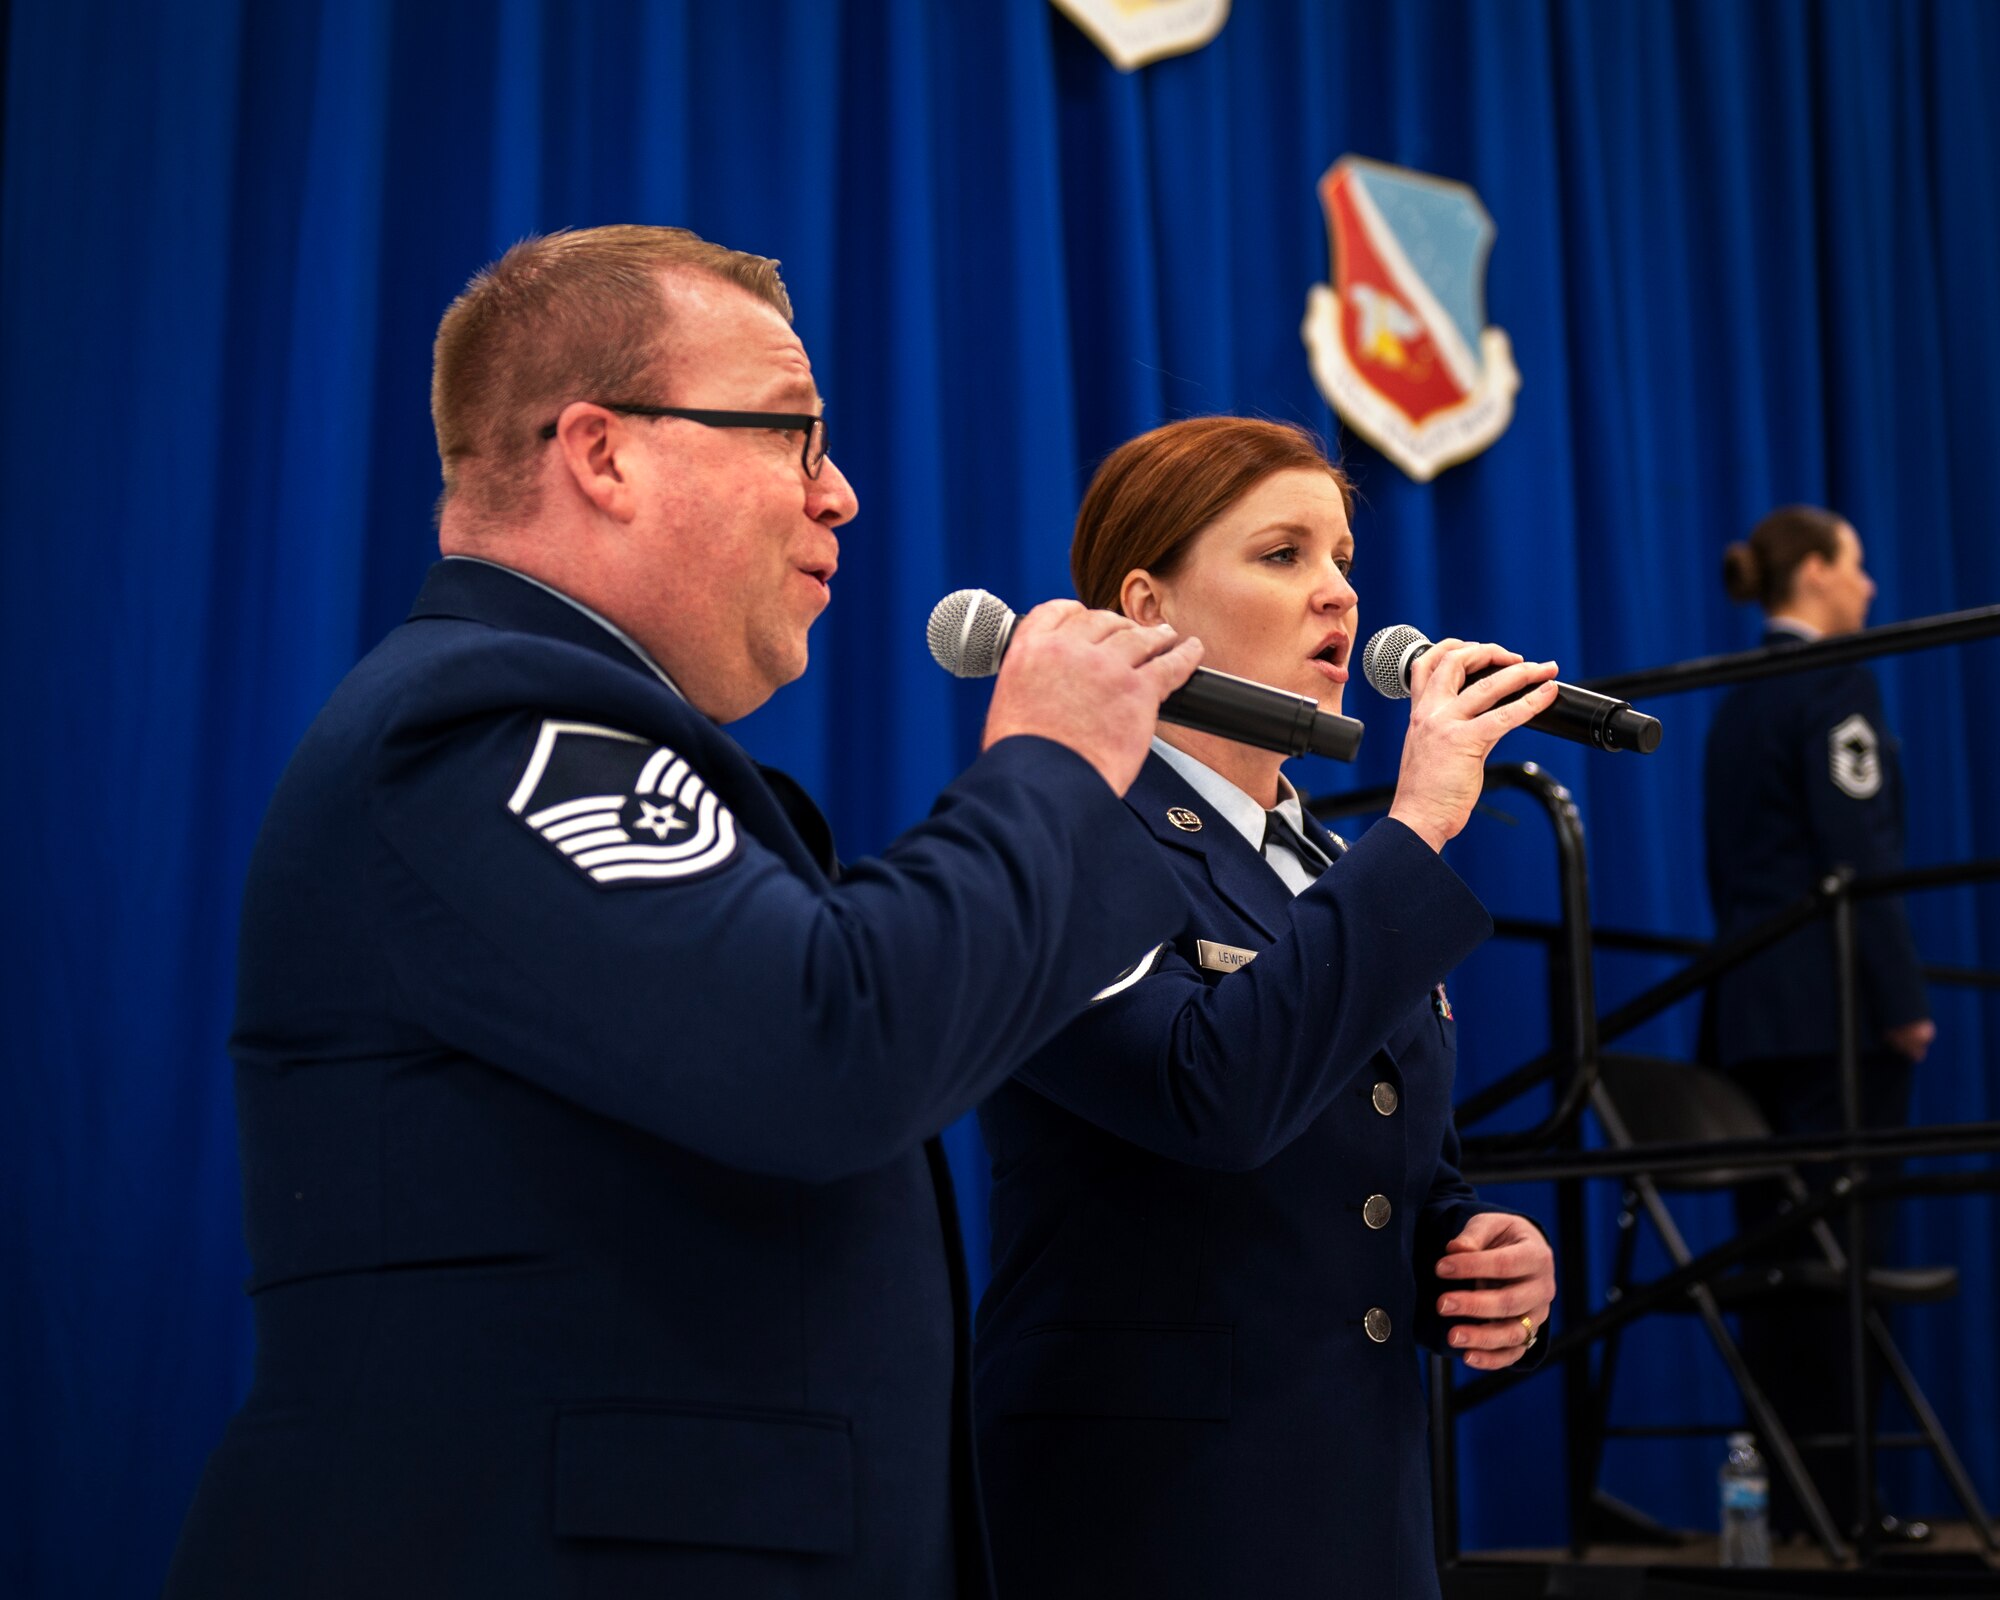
<point x="811" y="425"/>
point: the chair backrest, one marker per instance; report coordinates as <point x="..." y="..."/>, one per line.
<point x="1680" y="1102"/>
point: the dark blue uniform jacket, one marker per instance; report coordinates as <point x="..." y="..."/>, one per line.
<point x="598" y="1246"/>
<point x="1802" y="776"/>
<point x="1178" y="1390"/>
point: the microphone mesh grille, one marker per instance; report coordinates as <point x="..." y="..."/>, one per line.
<point x="1386" y="658"/>
<point x="966" y="631"/>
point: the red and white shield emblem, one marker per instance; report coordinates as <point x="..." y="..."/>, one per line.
<point x="1399" y="342"/>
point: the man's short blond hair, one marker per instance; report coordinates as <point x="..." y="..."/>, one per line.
<point x="574" y="315"/>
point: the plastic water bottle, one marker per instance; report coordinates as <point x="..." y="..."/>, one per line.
<point x="1746" y="1505"/>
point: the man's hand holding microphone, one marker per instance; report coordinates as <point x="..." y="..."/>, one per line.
<point x="1091" y="680"/>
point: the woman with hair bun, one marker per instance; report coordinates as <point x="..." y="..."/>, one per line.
<point x="1227" y="1206"/>
<point x="1803" y="776"/>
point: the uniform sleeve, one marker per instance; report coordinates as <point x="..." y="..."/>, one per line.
<point x="654" y="962"/>
<point x="1854" y="816"/>
<point x="1226" y="1075"/>
<point x="1451" y="1204"/>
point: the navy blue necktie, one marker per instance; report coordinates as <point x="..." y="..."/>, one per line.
<point x="1280" y="832"/>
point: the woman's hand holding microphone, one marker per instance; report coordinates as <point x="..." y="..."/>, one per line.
<point x="1455" y="725"/>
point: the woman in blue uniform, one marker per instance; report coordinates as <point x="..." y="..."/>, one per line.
<point x="1802" y="776"/>
<point x="1227" y="1205"/>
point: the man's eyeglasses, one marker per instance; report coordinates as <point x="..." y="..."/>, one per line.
<point x="812" y="457"/>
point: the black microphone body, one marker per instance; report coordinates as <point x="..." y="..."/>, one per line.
<point x="1580" y="715"/>
<point x="1587" y="717"/>
<point x="1254" y="713"/>
<point x="970" y="630"/>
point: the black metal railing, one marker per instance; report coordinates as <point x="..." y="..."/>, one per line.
<point x="1895" y="638"/>
<point x="1552" y="1149"/>
<point x="1573" y="999"/>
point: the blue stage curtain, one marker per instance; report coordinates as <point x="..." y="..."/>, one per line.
<point x="1746" y="255"/>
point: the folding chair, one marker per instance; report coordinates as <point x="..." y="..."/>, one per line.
<point x="1644" y="1101"/>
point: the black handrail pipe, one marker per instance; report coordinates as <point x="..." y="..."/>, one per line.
<point x="1577" y="1024"/>
<point x="1712" y="1263"/>
<point x="1698" y="974"/>
<point x="1636" y="942"/>
<point x="1772" y="1154"/>
<point x="1742" y="666"/>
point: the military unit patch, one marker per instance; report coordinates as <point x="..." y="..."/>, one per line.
<point x="1854" y="758"/>
<point x="621" y="810"/>
<point x="1399" y="342"/>
<point x="1134" y="32"/>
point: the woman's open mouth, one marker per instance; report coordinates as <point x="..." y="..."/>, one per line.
<point x="1331" y="661"/>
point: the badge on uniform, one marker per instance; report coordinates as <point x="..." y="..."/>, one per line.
<point x="1222" y="957"/>
<point x="621" y="809"/>
<point x="1441" y="1002"/>
<point x="1854" y="758"/>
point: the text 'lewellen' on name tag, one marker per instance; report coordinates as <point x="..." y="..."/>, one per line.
<point x="1223" y="957"/>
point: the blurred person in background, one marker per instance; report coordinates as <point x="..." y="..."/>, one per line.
<point x="1802" y="776"/>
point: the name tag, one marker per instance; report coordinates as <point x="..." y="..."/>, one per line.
<point x="1222" y="957"/>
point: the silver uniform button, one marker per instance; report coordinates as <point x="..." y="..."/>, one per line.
<point x="1375" y="1211"/>
<point x="1377" y="1324"/>
<point x="1384" y="1097"/>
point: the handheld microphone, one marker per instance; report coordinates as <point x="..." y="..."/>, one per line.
<point x="970" y="629"/>
<point x="1578" y="714"/>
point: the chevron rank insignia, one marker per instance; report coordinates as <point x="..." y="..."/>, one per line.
<point x="621" y="809"/>
<point x="1854" y="758"/>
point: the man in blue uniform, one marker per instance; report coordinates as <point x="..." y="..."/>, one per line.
<point x="600" y="1244"/>
<point x="1802" y="777"/>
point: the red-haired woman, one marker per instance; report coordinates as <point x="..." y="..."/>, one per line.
<point x="1227" y="1206"/>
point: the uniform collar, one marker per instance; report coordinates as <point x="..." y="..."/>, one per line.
<point x="1188" y="819"/>
<point x="485" y="591"/>
<point x="1243" y="813"/>
<point x="1237" y="808"/>
<point x="1790" y="628"/>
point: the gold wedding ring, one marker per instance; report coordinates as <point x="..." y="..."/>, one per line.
<point x="1528" y="1322"/>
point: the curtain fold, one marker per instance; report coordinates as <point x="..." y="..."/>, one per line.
<point x="1744" y="256"/>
